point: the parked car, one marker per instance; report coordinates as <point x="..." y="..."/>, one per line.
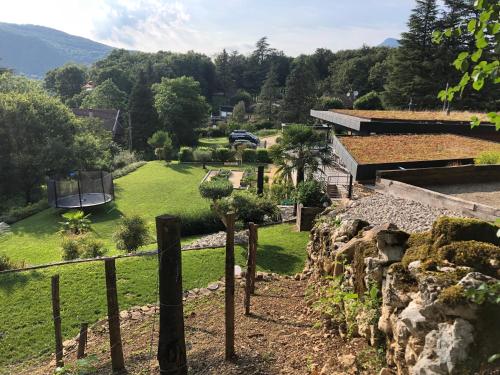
<point x="243" y="135"/>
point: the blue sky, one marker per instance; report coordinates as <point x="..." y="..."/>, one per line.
<point x="210" y="25"/>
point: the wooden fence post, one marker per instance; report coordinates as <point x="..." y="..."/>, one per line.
<point x="250" y="274"/>
<point x="230" y="353"/>
<point x="82" y="340"/>
<point x="115" y="338"/>
<point x="56" y="314"/>
<point x="260" y="180"/>
<point x="253" y="229"/>
<point x="171" y="344"/>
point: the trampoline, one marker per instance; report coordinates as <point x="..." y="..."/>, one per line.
<point x="81" y="189"/>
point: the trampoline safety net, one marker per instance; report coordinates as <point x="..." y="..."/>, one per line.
<point x="81" y="189"/>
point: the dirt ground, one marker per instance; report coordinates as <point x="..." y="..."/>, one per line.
<point x="484" y="193"/>
<point x="280" y="337"/>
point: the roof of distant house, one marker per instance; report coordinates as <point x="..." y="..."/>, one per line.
<point x="109" y="118"/>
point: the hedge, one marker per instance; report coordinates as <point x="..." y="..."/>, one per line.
<point x="186" y="154"/>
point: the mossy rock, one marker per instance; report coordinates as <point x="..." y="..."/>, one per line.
<point x="419" y="238"/>
<point x="446" y="230"/>
<point x="420" y="252"/>
<point x="480" y="256"/>
<point x="453" y="295"/>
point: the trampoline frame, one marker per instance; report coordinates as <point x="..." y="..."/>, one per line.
<point x="80" y="201"/>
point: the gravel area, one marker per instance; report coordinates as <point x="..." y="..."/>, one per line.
<point x="406" y="214"/>
<point x="217" y="240"/>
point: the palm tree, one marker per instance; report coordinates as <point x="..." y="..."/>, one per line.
<point x="301" y="150"/>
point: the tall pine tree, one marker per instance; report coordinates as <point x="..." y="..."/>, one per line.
<point x="143" y="116"/>
<point x="413" y="76"/>
<point x="300" y="93"/>
<point x="269" y="95"/>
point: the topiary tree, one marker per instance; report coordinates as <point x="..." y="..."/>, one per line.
<point x="369" y="101"/>
<point x="162" y="145"/>
<point x="216" y="190"/>
<point x="131" y="234"/>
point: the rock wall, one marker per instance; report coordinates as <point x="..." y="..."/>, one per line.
<point x="428" y="317"/>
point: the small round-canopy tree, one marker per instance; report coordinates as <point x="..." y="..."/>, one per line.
<point x="162" y="145"/>
<point x="181" y="108"/>
<point x="215" y="190"/>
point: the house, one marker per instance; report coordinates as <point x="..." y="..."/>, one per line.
<point x="225" y="111"/>
<point x="110" y="119"/>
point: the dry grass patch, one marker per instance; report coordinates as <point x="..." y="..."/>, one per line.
<point x="381" y="149"/>
<point x="413" y="116"/>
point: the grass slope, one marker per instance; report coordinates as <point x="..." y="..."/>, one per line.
<point x="25" y="318"/>
<point x="151" y="190"/>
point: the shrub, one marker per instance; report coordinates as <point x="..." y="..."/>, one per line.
<point x="70" y="248"/>
<point x="488" y="157"/>
<point x="282" y="193"/>
<point x="203" y="222"/>
<point x="262" y="156"/>
<point x="19" y="213"/>
<point x="369" y="101"/>
<point x="6" y="263"/>
<point x="132" y="233"/>
<point x="241" y="95"/>
<point x="128" y="169"/>
<point x="216" y="189"/>
<point x="249" y="155"/>
<point x="124" y="158"/>
<point x="310" y="194"/>
<point x="203" y="154"/>
<point x="263" y="124"/>
<point x="252" y="208"/>
<point x="186" y="154"/>
<point x="92" y="248"/>
<point x="76" y="222"/>
<point x="329" y="102"/>
<point x="223" y="154"/>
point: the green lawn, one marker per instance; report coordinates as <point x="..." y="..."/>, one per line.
<point x="152" y="190"/>
<point x="213" y="142"/>
<point x="25" y="318"/>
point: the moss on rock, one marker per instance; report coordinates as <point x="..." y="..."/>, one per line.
<point x="480" y="256"/>
<point x="420" y="252"/>
<point x="453" y="295"/>
<point x="419" y="239"/>
<point x="446" y="230"/>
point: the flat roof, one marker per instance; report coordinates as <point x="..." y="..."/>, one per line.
<point x="405" y="122"/>
<point x="381" y="149"/>
<point x="419" y="116"/>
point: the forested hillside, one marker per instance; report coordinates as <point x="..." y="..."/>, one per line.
<point x="33" y="50"/>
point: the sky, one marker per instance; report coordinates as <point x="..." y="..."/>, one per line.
<point x="294" y="26"/>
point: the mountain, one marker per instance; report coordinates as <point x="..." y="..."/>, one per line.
<point x="33" y="50"/>
<point x="390" y="42"/>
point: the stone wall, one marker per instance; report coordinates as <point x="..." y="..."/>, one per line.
<point x="427" y="317"/>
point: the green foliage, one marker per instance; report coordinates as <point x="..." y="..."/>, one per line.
<point x="325" y="103"/>
<point x="479" y="65"/>
<point x="252" y="208"/>
<point x="223" y="154"/>
<point x="485" y="292"/>
<point x="132" y="233"/>
<point x="19" y="213"/>
<point x="82" y="247"/>
<point x="124" y="158"/>
<point x="488" y="157"/>
<point x="368" y="101"/>
<point x="162" y="144"/>
<point x="6" y="263"/>
<point x="76" y="222"/>
<point x="181" y="108"/>
<point x="83" y="366"/>
<point x="216" y="189"/>
<point x="249" y="155"/>
<point x="282" y="192"/>
<point x="311" y="194"/>
<point x="66" y="81"/>
<point x="105" y="96"/>
<point x="186" y="154"/>
<point x="143" y="114"/>
<point x="203" y="154"/>
<point x="239" y="112"/>
<point x="269" y="96"/>
<point x="200" y="222"/>
<point x="262" y="155"/>
<point x="128" y="169"/>
<point x="241" y="96"/>
<point x="70" y="248"/>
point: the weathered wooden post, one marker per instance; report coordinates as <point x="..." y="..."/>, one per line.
<point x="115" y="338"/>
<point x="260" y="180"/>
<point x="82" y="340"/>
<point x="250" y="274"/>
<point x="229" y="286"/>
<point x="253" y="229"/>
<point x="56" y="314"/>
<point x="349" y="194"/>
<point x="171" y="344"/>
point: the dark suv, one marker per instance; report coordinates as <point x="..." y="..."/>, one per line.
<point x="243" y="135"/>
